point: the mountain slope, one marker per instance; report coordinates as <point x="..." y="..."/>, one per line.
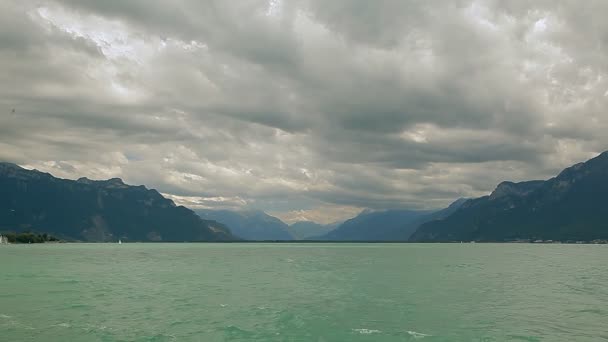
<point x="308" y="229"/>
<point x="376" y="226"/>
<point x="571" y="206"/>
<point x="249" y="225"/>
<point x="406" y="230"/>
<point x="96" y="210"/>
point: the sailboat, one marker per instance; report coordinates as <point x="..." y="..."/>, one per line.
<point x="119" y="241"/>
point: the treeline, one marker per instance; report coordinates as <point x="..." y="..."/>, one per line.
<point x="29" y="237"/>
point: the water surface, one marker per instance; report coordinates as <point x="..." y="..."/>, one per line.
<point x="303" y="292"/>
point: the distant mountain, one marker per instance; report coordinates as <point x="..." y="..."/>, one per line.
<point x="377" y="226"/>
<point x="571" y="206"/>
<point x="90" y="210"/>
<point x="308" y="229"/>
<point x="406" y="231"/>
<point x="249" y="224"/>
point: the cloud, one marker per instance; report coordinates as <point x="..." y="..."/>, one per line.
<point x="304" y="107"/>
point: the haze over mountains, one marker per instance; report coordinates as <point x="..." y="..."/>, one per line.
<point x="377" y="225"/>
<point x="250" y="224"/>
<point x="258" y="225"/>
<point x="569" y="207"/>
<point x="311" y="230"/>
<point x="387" y="225"/>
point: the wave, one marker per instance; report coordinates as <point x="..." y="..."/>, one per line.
<point x="417" y="335"/>
<point x="364" y="331"/>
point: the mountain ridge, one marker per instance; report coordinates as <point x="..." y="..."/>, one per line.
<point x="249" y="224"/>
<point x="567" y="207"/>
<point x="303" y="230"/>
<point x="103" y="210"/>
<point x="382" y="225"/>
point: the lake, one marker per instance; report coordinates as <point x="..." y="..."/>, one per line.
<point x="303" y="292"/>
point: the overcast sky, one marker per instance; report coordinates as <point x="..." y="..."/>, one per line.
<point x="308" y="109"/>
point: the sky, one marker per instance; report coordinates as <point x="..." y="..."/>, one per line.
<point x="306" y="109"/>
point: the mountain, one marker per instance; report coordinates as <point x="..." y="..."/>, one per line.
<point x="569" y="207"/>
<point x="89" y="210"/>
<point x="404" y="233"/>
<point x="377" y="226"/>
<point x="249" y="224"/>
<point x="308" y="229"/>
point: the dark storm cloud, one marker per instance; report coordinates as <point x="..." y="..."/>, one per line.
<point x="325" y="106"/>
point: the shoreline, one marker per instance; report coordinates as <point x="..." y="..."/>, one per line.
<point x="600" y="242"/>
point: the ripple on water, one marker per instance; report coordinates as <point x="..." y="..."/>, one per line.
<point x="598" y="312"/>
<point x="364" y="331"/>
<point x="523" y="338"/>
<point x="93" y="327"/>
<point x="158" y="338"/>
<point x="485" y="293"/>
<point x="417" y="335"/>
<point x="69" y="281"/>
<point x="235" y="332"/>
<point x="178" y="323"/>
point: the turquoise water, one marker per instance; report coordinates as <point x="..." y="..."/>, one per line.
<point x="303" y="292"/>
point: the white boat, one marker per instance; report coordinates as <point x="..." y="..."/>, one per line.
<point x="119" y="241"/>
<point x="3" y="240"/>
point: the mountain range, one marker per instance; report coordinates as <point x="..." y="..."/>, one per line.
<point x="568" y="207"/>
<point x="88" y="210"/>
<point x="305" y="230"/>
<point x="250" y="224"/>
<point x="387" y="225"/>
